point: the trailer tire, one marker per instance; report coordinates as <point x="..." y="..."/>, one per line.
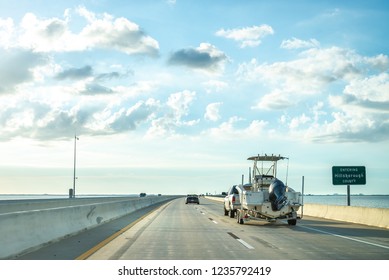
<point x="292" y="222"/>
<point x="232" y="213"/>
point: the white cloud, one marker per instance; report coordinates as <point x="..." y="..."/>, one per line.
<point x="53" y="112"/>
<point x="17" y="67"/>
<point x="318" y="111"/>
<point x="129" y="119"/>
<point x="45" y="35"/>
<point x="227" y="129"/>
<point x="215" y="85"/>
<point x="309" y="75"/>
<point x="54" y="34"/>
<point x="247" y="36"/>
<point x="6" y="32"/>
<point x="173" y="112"/>
<point x="379" y="62"/>
<point x="231" y="129"/>
<point x="316" y="68"/>
<point x="180" y="102"/>
<point x="352" y="87"/>
<point x="350" y="127"/>
<point x="212" y="111"/>
<point x="358" y="113"/>
<point x="119" y="33"/>
<point x="374" y="88"/>
<point x="298" y="121"/>
<point x="206" y="58"/>
<point x="357" y="116"/>
<point x="275" y="100"/>
<point x="295" y="43"/>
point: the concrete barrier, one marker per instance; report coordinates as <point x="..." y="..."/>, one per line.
<point x="24" y="231"/>
<point x="7" y="206"/>
<point x="216" y="198"/>
<point x="378" y="217"/>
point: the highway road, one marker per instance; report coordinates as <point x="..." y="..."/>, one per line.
<point x="176" y="231"/>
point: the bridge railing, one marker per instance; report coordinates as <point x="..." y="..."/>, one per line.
<point x="27" y="230"/>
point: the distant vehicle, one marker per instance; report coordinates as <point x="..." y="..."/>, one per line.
<point x="266" y="197"/>
<point x="192" y="198"/>
<point x="142" y="194"/>
<point x="231" y="202"/>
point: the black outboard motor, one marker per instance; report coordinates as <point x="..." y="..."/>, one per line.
<point x="277" y="196"/>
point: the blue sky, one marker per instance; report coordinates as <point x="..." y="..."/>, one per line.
<point x="173" y="96"/>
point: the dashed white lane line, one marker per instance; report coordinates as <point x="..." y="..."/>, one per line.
<point x="248" y="246"/>
<point x="204" y="213"/>
<point x="244" y="243"/>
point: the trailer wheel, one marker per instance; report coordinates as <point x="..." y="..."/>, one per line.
<point x="292" y="222"/>
<point x="232" y="213"/>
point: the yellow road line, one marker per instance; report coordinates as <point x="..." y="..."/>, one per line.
<point x="93" y="250"/>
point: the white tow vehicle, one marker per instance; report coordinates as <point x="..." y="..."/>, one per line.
<point x="231" y="202"/>
<point x="267" y="197"/>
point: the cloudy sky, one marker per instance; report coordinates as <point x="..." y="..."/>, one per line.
<point x="173" y="96"/>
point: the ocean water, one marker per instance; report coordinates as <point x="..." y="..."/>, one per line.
<point x="9" y="197"/>
<point x="372" y="201"/>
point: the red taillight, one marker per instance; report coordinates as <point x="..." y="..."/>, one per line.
<point x="233" y="199"/>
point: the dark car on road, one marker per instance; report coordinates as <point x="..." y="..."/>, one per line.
<point x="192" y="199"/>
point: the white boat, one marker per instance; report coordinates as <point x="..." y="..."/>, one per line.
<point x="266" y="197"/>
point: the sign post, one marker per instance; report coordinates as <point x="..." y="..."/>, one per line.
<point x="348" y="175"/>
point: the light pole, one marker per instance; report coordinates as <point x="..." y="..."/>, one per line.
<point x="74" y="170"/>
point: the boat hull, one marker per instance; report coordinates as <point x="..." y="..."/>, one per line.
<point x="259" y="205"/>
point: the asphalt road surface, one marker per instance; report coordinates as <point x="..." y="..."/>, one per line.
<point x="179" y="231"/>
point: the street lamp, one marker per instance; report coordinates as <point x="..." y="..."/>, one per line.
<point x="74" y="170"/>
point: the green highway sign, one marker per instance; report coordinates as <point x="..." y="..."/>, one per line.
<point x="348" y="175"/>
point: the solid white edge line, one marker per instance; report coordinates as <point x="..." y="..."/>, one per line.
<point x="346" y="237"/>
